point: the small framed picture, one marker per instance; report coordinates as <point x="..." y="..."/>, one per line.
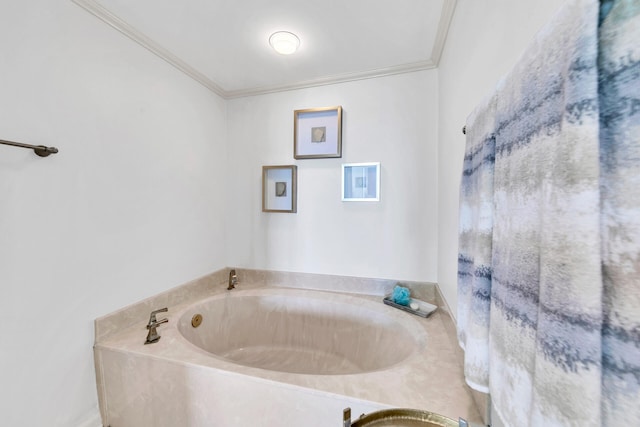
<point x="279" y="188"/>
<point x="317" y="133"/>
<point x="361" y="182"/>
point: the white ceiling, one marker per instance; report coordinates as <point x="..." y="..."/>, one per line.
<point x="224" y="43"/>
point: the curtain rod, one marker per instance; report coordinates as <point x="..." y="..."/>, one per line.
<point x="40" y="150"/>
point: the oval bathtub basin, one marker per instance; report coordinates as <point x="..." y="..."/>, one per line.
<point x="303" y="332"/>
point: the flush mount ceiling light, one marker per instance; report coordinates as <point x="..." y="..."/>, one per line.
<point x="284" y="42"/>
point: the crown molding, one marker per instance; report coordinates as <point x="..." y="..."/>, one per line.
<point x="329" y="80"/>
<point x="446" y="16"/>
<point x="128" y="30"/>
<point x="116" y="22"/>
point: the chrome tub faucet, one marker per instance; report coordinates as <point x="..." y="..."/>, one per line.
<point x="233" y="280"/>
<point x="153" y="336"/>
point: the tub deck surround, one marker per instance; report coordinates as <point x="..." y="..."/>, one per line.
<point x="123" y="318"/>
<point x="325" y="282"/>
<point x="175" y="382"/>
<point x="250" y="279"/>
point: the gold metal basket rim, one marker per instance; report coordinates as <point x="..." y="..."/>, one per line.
<point x="429" y="419"/>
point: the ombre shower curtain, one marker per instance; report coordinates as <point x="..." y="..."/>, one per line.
<point x="549" y="246"/>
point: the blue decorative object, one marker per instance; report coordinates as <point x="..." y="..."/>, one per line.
<point x="401" y="295"/>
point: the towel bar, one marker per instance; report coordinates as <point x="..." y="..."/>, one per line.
<point x="40" y="150"/>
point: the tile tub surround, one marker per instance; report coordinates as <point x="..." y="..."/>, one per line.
<point x="174" y="383"/>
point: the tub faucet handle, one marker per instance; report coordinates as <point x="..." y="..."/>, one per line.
<point x="346" y="417"/>
<point x="153" y="336"/>
<point x="153" y="324"/>
<point x="233" y="280"/>
<point x="152" y="317"/>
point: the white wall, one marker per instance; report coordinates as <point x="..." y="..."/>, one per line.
<point x="392" y="120"/>
<point x="485" y="40"/>
<point x="129" y="207"/>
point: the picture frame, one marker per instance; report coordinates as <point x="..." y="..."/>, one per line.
<point x="279" y="188"/>
<point x="317" y="133"/>
<point x="361" y="182"/>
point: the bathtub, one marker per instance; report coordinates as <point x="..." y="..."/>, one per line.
<point x="278" y="356"/>
<point x="299" y="332"/>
